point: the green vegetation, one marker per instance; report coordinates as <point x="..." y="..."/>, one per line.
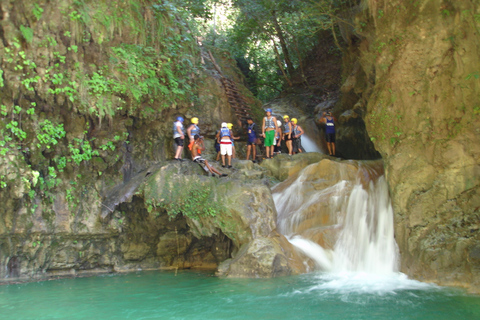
<point x="193" y="200"/>
<point x="104" y="60"/>
<point x="269" y="39"/>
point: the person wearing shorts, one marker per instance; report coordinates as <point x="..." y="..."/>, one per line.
<point x="197" y="149"/>
<point x="178" y="137"/>
<point x="252" y="139"/>
<point x="287" y="133"/>
<point x="269" y="128"/>
<point x="225" y="140"/>
<point x="329" y="122"/>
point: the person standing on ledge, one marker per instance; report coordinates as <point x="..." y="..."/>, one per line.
<point x="297" y="133"/>
<point x="278" y="139"/>
<point x="287" y="133"/>
<point x="230" y="127"/>
<point x="192" y="130"/>
<point x="225" y="140"/>
<point x="179" y="137"/>
<point x="329" y="122"/>
<point x="252" y="139"/>
<point x="269" y="128"/>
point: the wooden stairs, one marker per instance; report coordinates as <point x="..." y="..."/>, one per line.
<point x="235" y="98"/>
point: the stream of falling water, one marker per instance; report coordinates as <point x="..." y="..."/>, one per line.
<point x="339" y="215"/>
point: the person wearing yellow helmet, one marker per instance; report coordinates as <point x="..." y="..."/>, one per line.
<point x="192" y="130"/>
<point x="297" y="132"/>
<point x="224" y="138"/>
<point x="287" y="133"/>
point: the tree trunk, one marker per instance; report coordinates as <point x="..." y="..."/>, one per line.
<point x="283" y="44"/>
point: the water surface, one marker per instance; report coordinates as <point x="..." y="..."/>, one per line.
<point x="200" y="295"/>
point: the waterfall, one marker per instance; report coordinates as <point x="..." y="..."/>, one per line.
<point x="339" y="215"/>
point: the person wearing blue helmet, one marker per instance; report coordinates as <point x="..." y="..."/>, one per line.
<point x="179" y="137"/>
<point x="269" y="127"/>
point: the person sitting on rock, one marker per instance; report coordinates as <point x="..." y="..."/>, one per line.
<point x="197" y="148"/>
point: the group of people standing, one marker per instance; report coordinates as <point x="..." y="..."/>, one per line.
<point x="274" y="134"/>
<point x="272" y="131"/>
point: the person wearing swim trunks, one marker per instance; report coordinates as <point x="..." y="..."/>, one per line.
<point x="179" y="137"/>
<point x="225" y="140"/>
<point x="197" y="148"/>
<point x="287" y="133"/>
<point x="269" y="128"/>
<point x="252" y="139"/>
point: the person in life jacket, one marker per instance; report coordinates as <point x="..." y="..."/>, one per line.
<point x="252" y="140"/>
<point x="269" y="128"/>
<point x="197" y="148"/>
<point x="278" y="139"/>
<point x="329" y="122"/>
<point x="192" y="130"/>
<point x="178" y="137"/>
<point x="287" y="133"/>
<point x="297" y="132"/>
<point x="230" y="127"/>
<point x="225" y="140"/>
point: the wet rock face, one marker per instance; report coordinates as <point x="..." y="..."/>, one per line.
<point x="423" y="117"/>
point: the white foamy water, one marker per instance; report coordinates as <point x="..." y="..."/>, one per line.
<point x="309" y="145"/>
<point x="364" y="255"/>
<point x="363" y="282"/>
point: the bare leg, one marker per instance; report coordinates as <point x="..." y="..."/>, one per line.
<point x="254" y="153"/>
<point x="229" y="160"/>
<point x="218" y="156"/>
<point x="178" y="154"/>
<point x="249" y="147"/>
<point x="223" y="160"/>
<point x="333" y="148"/>
<point x="212" y="169"/>
<point x="329" y="146"/>
<point x="289" y="146"/>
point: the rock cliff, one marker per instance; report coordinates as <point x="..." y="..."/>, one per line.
<point x="417" y="78"/>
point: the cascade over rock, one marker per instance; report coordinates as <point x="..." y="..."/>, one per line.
<point x="416" y="78"/>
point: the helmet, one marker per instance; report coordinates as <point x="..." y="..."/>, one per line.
<point x="268" y="110"/>
<point x="279" y="123"/>
<point x="286" y="117"/>
<point x="180" y="119"/>
<point x="230" y="125"/>
<point x="194" y="120"/>
<point x="294" y="120"/>
<point x="224" y="125"/>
